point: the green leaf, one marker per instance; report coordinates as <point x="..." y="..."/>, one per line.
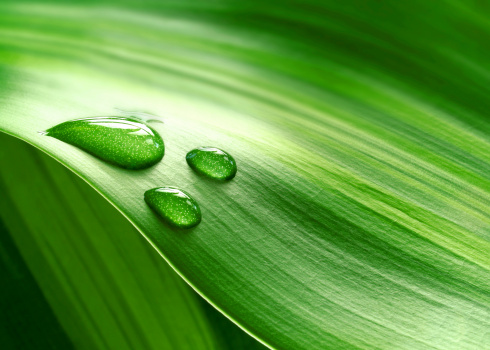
<point x="359" y="217"/>
<point x="89" y="280"/>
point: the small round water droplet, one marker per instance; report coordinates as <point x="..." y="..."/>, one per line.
<point x="212" y="162"/>
<point x="126" y="142"/>
<point x="175" y="206"/>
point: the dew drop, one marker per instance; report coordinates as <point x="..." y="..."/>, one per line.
<point x="125" y="142"/>
<point x="175" y="206"/>
<point x="212" y="162"/>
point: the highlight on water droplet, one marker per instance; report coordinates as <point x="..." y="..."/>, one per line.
<point x="143" y="116"/>
<point x="125" y="142"/>
<point x="174" y="206"/>
<point x="212" y="162"/>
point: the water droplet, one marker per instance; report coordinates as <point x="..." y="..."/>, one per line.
<point x="212" y="162"/>
<point x="126" y="142"/>
<point x="175" y="206"/>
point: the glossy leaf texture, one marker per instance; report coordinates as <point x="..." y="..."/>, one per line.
<point x="360" y="215"/>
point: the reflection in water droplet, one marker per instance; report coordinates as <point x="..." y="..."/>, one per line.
<point x="143" y="116"/>
<point x="175" y="206"/>
<point x="126" y="142"/>
<point x="212" y="162"/>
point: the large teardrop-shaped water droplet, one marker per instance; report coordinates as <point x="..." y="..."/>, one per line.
<point x="175" y="206"/>
<point x="212" y="162"/>
<point x="126" y="142"/>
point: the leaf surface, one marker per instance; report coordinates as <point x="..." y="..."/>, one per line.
<point x="359" y="216"/>
<point x="82" y="277"/>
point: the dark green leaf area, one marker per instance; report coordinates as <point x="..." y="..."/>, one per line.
<point x="27" y="320"/>
<point x="125" y="142"/>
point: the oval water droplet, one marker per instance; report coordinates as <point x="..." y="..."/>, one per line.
<point x="175" y="206"/>
<point x="126" y="142"/>
<point x="212" y="162"/>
